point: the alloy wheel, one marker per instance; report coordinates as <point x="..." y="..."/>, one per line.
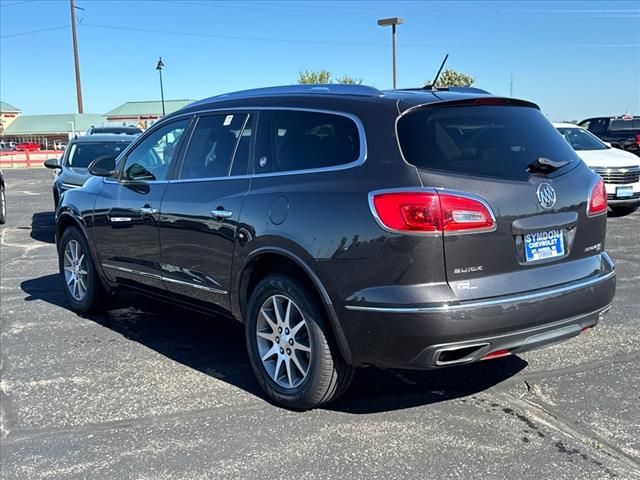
<point x="283" y="341"/>
<point x="75" y="270"/>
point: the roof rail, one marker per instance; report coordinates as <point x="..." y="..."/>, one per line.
<point x="323" y="88"/>
<point x="431" y="88"/>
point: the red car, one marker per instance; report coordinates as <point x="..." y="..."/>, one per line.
<point x="28" y="146"/>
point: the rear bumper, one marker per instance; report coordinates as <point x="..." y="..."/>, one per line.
<point x="415" y="337"/>
<point x="627" y="202"/>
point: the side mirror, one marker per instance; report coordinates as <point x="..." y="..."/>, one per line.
<point x="103" y="166"/>
<point x="53" y="163"/>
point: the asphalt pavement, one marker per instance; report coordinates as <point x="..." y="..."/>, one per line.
<point x="149" y="391"/>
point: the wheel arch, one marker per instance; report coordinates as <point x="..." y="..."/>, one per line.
<point x="267" y="260"/>
<point x="69" y="218"/>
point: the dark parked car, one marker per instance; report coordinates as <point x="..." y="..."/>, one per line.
<point x="73" y="166"/>
<point x="115" y="130"/>
<point x="3" y="201"/>
<point x="347" y="226"/>
<point x="621" y="132"/>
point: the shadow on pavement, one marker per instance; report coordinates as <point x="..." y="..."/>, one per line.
<point x="43" y="227"/>
<point x="215" y="346"/>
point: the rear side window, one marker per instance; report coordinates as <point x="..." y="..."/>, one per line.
<point x="301" y="140"/>
<point x="620" y="124"/>
<point x="491" y="141"/>
<point x="212" y="146"/>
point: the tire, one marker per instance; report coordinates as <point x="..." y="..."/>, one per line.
<point x="94" y="297"/>
<point x="3" y="206"/>
<point x="327" y="375"/>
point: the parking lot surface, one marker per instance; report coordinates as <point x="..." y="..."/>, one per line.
<point x="149" y="391"/>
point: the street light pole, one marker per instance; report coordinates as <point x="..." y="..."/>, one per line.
<point x="159" y="67"/>
<point x="393" y="21"/>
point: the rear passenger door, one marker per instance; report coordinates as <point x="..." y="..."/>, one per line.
<point x="200" y="209"/>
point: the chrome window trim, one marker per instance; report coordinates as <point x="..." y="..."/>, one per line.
<point x="166" y="279"/>
<point x="362" y="158"/>
<point x="69" y="185"/>
<point x="485" y="303"/>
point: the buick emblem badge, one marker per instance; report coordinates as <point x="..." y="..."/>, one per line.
<point x="546" y="196"/>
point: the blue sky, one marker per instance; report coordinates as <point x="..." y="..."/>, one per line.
<point x="575" y="58"/>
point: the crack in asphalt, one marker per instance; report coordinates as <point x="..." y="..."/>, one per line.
<point x="583" y="435"/>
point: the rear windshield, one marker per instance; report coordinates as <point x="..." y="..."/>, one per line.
<point x="491" y="141"/>
<point x="620" y="124"/>
<point x="81" y="154"/>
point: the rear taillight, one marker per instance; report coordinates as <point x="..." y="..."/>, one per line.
<point x="638" y="139"/>
<point x="597" y="199"/>
<point x="410" y="211"/>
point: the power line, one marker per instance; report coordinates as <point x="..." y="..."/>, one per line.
<point x="337" y="43"/>
<point x="30" y="32"/>
<point x="13" y="4"/>
<point x="306" y="9"/>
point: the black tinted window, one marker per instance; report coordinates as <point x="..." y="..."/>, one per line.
<point x="598" y="125"/>
<point x="620" y="124"/>
<point x="305" y="140"/>
<point x="81" y="154"/>
<point x="212" y="146"/>
<point x="493" y="141"/>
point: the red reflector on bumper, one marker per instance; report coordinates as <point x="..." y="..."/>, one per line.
<point x="496" y="354"/>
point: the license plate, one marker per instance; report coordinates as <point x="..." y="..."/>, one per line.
<point x="543" y="245"/>
<point x="624" y="192"/>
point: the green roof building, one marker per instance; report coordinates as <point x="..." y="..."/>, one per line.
<point x="51" y="130"/>
<point x="48" y="130"/>
<point x="7" y="108"/>
<point x="144" y="112"/>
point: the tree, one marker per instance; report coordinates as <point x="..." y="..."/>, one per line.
<point x="348" y="80"/>
<point x="323" y="76"/>
<point x="451" y="78"/>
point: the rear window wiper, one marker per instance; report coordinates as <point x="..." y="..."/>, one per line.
<point x="545" y="165"/>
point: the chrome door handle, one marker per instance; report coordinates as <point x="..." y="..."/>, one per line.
<point x="148" y="210"/>
<point x="221" y="213"/>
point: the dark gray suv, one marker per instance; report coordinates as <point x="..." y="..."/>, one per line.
<point x="72" y="167"/>
<point x="346" y="226"/>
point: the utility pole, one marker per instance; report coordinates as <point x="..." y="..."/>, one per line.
<point x="394" y="21"/>
<point x="73" y="7"/>
<point x="511" y="86"/>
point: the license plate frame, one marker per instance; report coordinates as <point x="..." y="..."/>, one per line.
<point x="544" y="245"/>
<point x="624" y="192"/>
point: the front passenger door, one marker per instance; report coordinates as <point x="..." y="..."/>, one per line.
<point x="128" y="209"/>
